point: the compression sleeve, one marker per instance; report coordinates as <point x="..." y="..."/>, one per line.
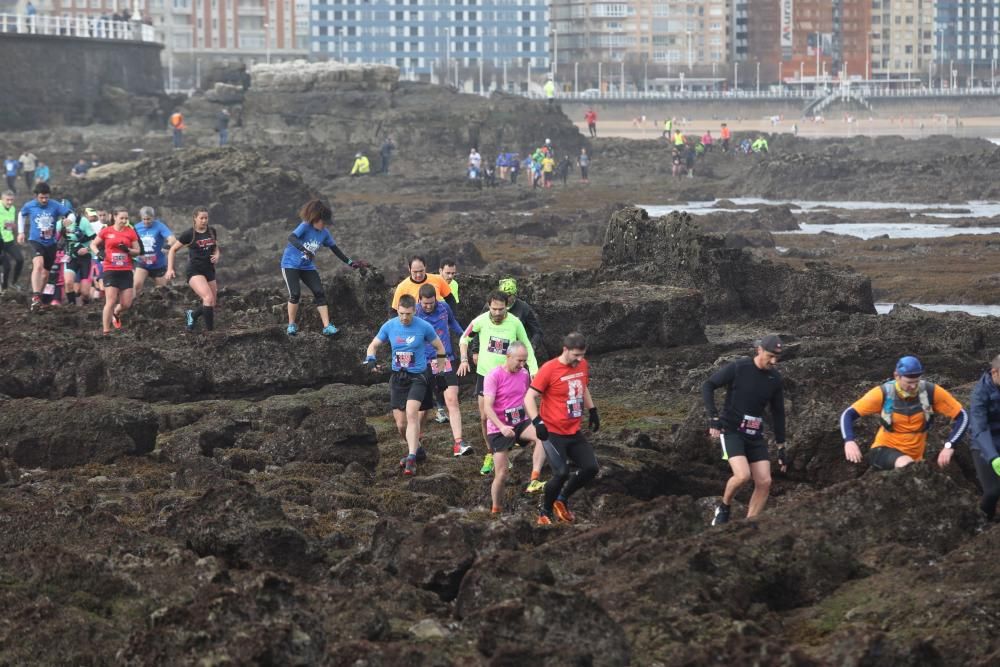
<point x="450" y="300"/>
<point x="335" y="249"/>
<point x="979" y="425"/>
<point x="531" y="323"/>
<point x="22" y="220"/>
<point x="958" y="426"/>
<point x="778" y="412"/>
<point x="720" y="378"/>
<point x="296" y="242"/>
<point x="847" y="418"/>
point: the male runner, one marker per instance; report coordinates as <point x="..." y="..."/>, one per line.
<point x="39" y="219"/>
<point x="419" y="276"/>
<point x="408" y="386"/>
<point x="562" y="384"/>
<point x="752" y="383"/>
<point x="439" y="316"/>
<point x="497" y="329"/>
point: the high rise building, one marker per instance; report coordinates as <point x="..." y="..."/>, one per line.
<point x="967" y="37"/>
<point x="902" y="38"/>
<point x="422" y="36"/>
<point x="197" y="32"/>
<point x="789" y="38"/>
<point x="687" y="33"/>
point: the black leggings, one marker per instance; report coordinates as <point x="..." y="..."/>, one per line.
<point x="311" y="280"/>
<point x="10" y="255"/>
<point x="990" y="483"/>
<point x="559" y="451"/>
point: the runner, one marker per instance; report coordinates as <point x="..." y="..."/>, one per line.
<point x="297" y="262"/>
<point x="906" y="405"/>
<point x="154" y="237"/>
<point x="562" y="384"/>
<point x="441" y="319"/>
<point x="120" y="244"/>
<point x="448" y="270"/>
<point x="507" y="421"/>
<point x="497" y="329"/>
<point x="752" y="383"/>
<point x="984" y="428"/>
<point x="41" y="217"/>
<point x="11" y="259"/>
<point x="408" y="386"/>
<point x="419" y="276"/>
<point x="203" y="255"/>
<point x="591" y="118"/>
<point x="520" y="309"/>
<point x="78" y="238"/>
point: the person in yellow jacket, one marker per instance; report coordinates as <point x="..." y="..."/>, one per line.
<point x="361" y="166"/>
<point x="550" y="93"/>
<point x="548" y="168"/>
<point x="679" y="139"/>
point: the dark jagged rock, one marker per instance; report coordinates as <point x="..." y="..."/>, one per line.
<point x="673" y="251"/>
<point x="73" y="432"/>
<point x="237" y="185"/>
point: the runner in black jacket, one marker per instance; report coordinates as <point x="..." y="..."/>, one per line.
<point x="751" y="385"/>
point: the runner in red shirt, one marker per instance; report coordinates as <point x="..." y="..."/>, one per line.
<point x="591" y="118"/>
<point x="120" y="244"/>
<point x="562" y="385"/>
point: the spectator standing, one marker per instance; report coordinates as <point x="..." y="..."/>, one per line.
<point x="10" y="169"/>
<point x="222" y="126"/>
<point x="42" y="174"/>
<point x="28" y="165"/>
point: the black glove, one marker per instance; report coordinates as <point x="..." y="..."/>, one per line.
<point x="540" y="430"/>
<point x="359" y="264"/>
<point x="715" y="423"/>
<point x="370" y="362"/>
<point x="123" y="247"/>
<point x="782" y="456"/>
<point x="594" y="421"/>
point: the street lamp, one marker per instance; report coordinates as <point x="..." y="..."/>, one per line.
<point x="555" y="53"/>
<point x="689" y="49"/>
<point x="758" y="77"/>
<point x="267" y="41"/>
<point x="940" y="32"/>
<point x="736" y="75"/>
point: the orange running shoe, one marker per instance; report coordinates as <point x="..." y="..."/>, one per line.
<point x="544" y="519"/>
<point x="562" y="512"/>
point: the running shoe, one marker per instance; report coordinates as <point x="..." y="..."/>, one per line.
<point x="36" y="302"/>
<point x="721" y="515"/>
<point x="461" y="449"/>
<point x="544" y="519"/>
<point x="534" y="486"/>
<point x="410" y="467"/>
<point x="442" y="416"/>
<point x="330" y="330"/>
<point x="562" y="512"/>
<point x="487" y="464"/>
<point x="421" y="454"/>
<point x="292" y="329"/>
<point x="116" y="322"/>
<point x="189" y="319"/>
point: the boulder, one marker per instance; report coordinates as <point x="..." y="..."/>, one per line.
<point x="71" y="432"/>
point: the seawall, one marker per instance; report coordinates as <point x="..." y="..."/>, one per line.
<point x="56" y="80"/>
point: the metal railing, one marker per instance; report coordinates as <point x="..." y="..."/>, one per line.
<point x="71" y="26"/>
<point x="789" y="91"/>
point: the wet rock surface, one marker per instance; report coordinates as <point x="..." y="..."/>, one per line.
<point x="236" y="496"/>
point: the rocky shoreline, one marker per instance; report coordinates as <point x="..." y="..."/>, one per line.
<point x="235" y="496"/>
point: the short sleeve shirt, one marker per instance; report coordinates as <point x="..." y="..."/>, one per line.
<point x="201" y="247"/>
<point x="413" y="289"/>
<point x="312" y="239"/>
<point x="407" y="343"/>
<point x="562" y="388"/>
<point x="508" y="390"/>
<point x="153" y="236"/>
<point x="907" y="434"/>
<point x="116" y="259"/>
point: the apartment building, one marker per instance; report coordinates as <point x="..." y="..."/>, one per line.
<point x="967" y="34"/>
<point x="686" y="34"/>
<point x="422" y="36"/>
<point x="902" y="38"/>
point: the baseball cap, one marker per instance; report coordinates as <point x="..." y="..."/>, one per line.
<point x="771" y="343"/>
<point x="909" y="365"/>
<point x="508" y="286"/>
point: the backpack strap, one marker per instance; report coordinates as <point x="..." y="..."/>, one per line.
<point x="924" y="391"/>
<point x="888" y="398"/>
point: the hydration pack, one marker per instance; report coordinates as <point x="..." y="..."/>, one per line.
<point x="889" y="398"/>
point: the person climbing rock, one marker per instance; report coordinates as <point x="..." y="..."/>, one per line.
<point x="984" y="429"/>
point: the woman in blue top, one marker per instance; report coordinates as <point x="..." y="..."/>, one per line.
<point x="154" y="237"/>
<point x="297" y="262"/>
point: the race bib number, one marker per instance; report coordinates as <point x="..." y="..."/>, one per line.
<point x="119" y="259"/>
<point x="46" y="233"/>
<point x="574" y="408"/>
<point x="149" y="259"/>
<point x="435" y="368"/>
<point x="750" y="425"/>
<point x="49" y="289"/>
<point x="515" y="416"/>
<point x="497" y="345"/>
<point x="404" y="360"/>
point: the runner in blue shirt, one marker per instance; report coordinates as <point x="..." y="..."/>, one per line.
<point x="39" y="218"/>
<point x="297" y="262"/>
<point x="409" y="390"/>
<point x="440" y="316"/>
<point x="154" y="237"/>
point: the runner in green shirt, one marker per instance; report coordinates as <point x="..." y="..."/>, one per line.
<point x="497" y="329"/>
<point x="11" y="259"/>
